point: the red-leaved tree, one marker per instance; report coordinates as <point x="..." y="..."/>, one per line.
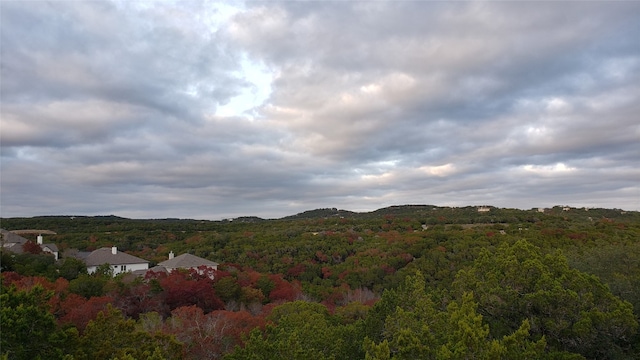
<point x="209" y="336"/>
<point x="31" y="248"/>
<point x="182" y="290"/>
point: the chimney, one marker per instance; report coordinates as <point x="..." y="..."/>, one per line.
<point x="114" y="250"/>
<point x="39" y="239"/>
<point x="171" y="255"/>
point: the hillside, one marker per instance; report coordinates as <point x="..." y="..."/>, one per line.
<point x="572" y="273"/>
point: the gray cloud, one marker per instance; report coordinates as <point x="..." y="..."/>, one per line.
<point x="155" y="111"/>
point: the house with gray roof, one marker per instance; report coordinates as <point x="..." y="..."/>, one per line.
<point x="119" y="261"/>
<point x="50" y="249"/>
<point x="187" y="262"/>
<point x="14" y="242"/>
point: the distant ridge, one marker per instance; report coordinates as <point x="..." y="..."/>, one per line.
<point x="321" y="213"/>
<point x="326" y="213"/>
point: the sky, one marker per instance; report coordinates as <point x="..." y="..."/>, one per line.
<point x="214" y="110"/>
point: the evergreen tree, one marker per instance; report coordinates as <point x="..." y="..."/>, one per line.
<point x="29" y="330"/>
<point x="573" y="310"/>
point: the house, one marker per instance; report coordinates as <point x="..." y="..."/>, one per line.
<point x="187" y="262"/>
<point x="119" y="261"/>
<point x="48" y="248"/>
<point x="484" y="209"/>
<point x="14" y="243"/>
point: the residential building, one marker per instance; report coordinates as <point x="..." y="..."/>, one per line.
<point x="119" y="261"/>
<point x="14" y="243"/>
<point x="187" y="262"/>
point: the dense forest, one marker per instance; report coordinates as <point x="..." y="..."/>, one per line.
<point x="403" y="282"/>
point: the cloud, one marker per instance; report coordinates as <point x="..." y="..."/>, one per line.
<point x="270" y="108"/>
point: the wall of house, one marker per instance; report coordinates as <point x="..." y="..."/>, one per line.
<point x="117" y="269"/>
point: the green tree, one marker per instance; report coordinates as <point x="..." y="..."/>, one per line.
<point x="227" y="288"/>
<point x="71" y="268"/>
<point x="28" y="264"/>
<point x="110" y="336"/>
<point x="28" y="329"/>
<point x="88" y="285"/>
<point x="467" y="336"/>
<point x="418" y="329"/>
<point x="7" y="261"/>
<point x="302" y="330"/>
<point x="573" y="310"/>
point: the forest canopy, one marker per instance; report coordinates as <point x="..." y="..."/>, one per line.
<point x="403" y="282"/>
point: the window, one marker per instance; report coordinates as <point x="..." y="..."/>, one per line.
<point x="123" y="268"/>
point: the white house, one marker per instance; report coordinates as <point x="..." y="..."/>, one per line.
<point x="48" y="248"/>
<point x="119" y="261"/>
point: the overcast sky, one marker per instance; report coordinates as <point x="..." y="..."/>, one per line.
<point x="215" y="110"/>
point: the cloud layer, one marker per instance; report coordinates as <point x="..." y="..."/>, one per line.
<point x="210" y="111"/>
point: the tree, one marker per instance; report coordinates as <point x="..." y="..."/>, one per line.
<point x="78" y="311"/>
<point x="71" y="268"/>
<point x="111" y="336"/>
<point x="28" y="264"/>
<point x="7" y="261"/>
<point x="415" y="328"/>
<point x="88" y="285"/>
<point x="28" y="329"/>
<point x="282" y="290"/>
<point x="209" y="336"/>
<point x="182" y="290"/>
<point x="227" y="288"/>
<point x="31" y="248"/>
<point x="302" y="330"/>
<point x="573" y="310"/>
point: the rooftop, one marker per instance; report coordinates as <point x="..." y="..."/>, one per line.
<point x="186" y="261"/>
<point x="106" y="256"/>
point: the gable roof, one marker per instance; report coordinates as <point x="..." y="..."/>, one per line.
<point x="51" y="247"/>
<point x="14" y="242"/>
<point x="187" y="261"/>
<point x="9" y="237"/>
<point x="105" y="256"/>
<point x="13" y="247"/>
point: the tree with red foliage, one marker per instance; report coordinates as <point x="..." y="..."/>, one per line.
<point x="326" y="272"/>
<point x="9" y="277"/>
<point x="31" y="248"/>
<point x="296" y="270"/>
<point x="138" y="298"/>
<point x="182" y="290"/>
<point x="210" y="336"/>
<point x="283" y="290"/>
<point x="28" y="282"/>
<point x="71" y="303"/>
<point x="78" y="311"/>
<point x="248" y="278"/>
<point x="197" y="331"/>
